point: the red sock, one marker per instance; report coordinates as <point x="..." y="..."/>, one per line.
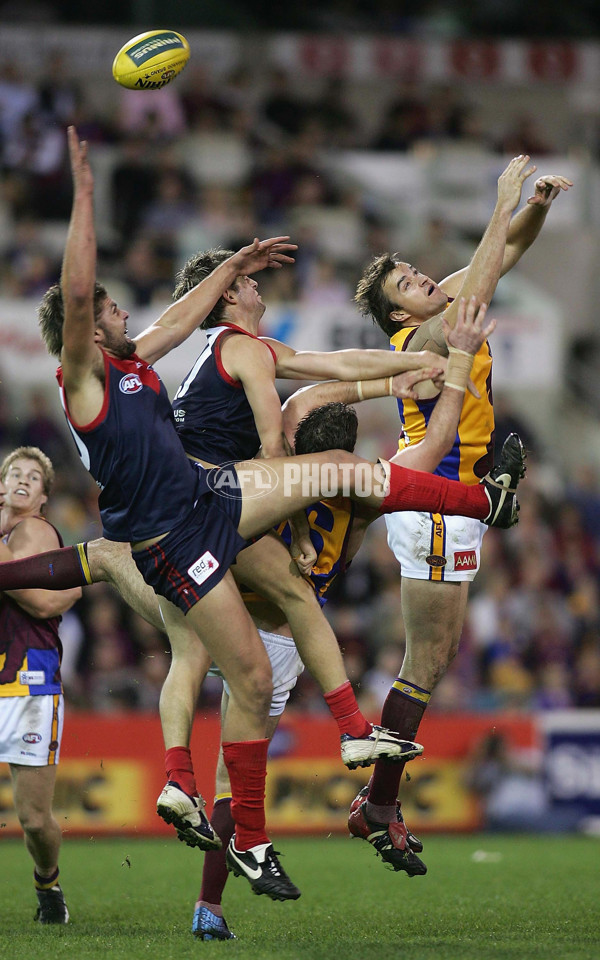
<point x="246" y="763"/>
<point x="214" y="873"/>
<point x="345" y="711"/>
<point x="53" y="570"/>
<point x="425" y="492"/>
<point x="178" y="764"/>
<point x="402" y="711"/>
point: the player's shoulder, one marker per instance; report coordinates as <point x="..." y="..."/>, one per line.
<point x="34" y="528"/>
<point x="404" y="334"/>
<point x="246" y="347"/>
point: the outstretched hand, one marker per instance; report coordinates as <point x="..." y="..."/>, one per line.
<point x="469" y="333"/>
<point x="547" y="188"/>
<point x="80" y="166"/>
<point x="512" y="179"/>
<point x="259" y="254"/>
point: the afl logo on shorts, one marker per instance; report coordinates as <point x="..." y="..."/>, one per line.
<point x="434" y="561"/>
<point x="130" y="383"/>
<point x="32" y="737"/>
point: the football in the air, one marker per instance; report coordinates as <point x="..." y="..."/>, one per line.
<point x="151" y="60"/>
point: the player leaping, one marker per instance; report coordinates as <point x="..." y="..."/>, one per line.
<point x="439" y="555"/>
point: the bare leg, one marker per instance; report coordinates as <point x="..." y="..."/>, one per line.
<point x="225" y="630"/>
<point x="189" y="665"/>
<point x="112" y="561"/>
<point x="433" y="617"/>
<point x="33" y="789"/>
<point x="267" y="567"/>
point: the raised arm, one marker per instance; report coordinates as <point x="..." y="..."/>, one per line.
<point x="78" y="274"/>
<point x="527" y="223"/>
<point x="180" y="320"/>
<point x="523" y="230"/>
<point x="81" y="358"/>
<point x="32" y="536"/>
<point x="489" y="261"/>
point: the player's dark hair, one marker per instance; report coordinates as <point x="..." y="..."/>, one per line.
<point x="51" y="315"/>
<point x="370" y="296"/>
<point x="331" y="427"/>
<point x="197" y="268"/>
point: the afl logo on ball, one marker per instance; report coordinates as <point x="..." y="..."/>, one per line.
<point x="130" y="383"/>
<point x="434" y="561"/>
<point x="31" y="737"/>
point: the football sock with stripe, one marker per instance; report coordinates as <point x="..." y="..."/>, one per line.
<point x="45" y="883"/>
<point x="179" y="768"/>
<point x="345" y="711"/>
<point x="214" y="872"/>
<point x="54" y="570"/>
<point x="425" y="492"/>
<point x="246" y="762"/>
<point x="402" y="711"/>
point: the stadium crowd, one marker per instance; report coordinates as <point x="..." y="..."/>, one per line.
<point x="532" y="638"/>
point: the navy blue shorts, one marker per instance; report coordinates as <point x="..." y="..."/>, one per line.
<point x="197" y="553"/>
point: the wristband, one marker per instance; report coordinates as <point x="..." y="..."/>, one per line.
<point x="458" y="369"/>
<point x="359" y="390"/>
<point x="455" y="386"/>
<point x="465" y="353"/>
<point x="390" y="388"/>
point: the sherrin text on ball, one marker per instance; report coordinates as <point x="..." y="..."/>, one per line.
<point x="151" y="60"/>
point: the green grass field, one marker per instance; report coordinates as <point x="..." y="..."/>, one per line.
<point x="529" y="898"/>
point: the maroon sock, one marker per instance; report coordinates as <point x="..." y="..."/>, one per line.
<point x="53" y="570"/>
<point x="214" y="873"/>
<point x="179" y="767"/>
<point x="416" y="490"/>
<point x="345" y="711"/>
<point x="246" y="762"/>
<point x="402" y="711"/>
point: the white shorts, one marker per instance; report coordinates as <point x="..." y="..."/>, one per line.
<point x="31" y="729"/>
<point x="287" y="667"/>
<point x="431" y="547"/>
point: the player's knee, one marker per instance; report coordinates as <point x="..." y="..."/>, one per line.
<point x="253" y="688"/>
<point x="34" y="822"/>
<point x="290" y="589"/>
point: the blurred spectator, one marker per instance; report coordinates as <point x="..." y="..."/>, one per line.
<point x="439" y="252"/>
<point x="17" y="98"/>
<point x="379" y="678"/>
<point x="323" y="285"/>
<point x="30" y="266"/>
<point x="168" y="214"/>
<point x="144" y="274"/>
<point x="509" y="785"/>
<point x="58" y="92"/>
<point x="132" y="186"/>
<point x="40" y="429"/>
<point x="155" y="115"/>
<point x="524" y="136"/>
<point x="35" y="156"/>
<point x="507" y="421"/>
<point x="283" y="109"/>
<point x="339" y="124"/>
